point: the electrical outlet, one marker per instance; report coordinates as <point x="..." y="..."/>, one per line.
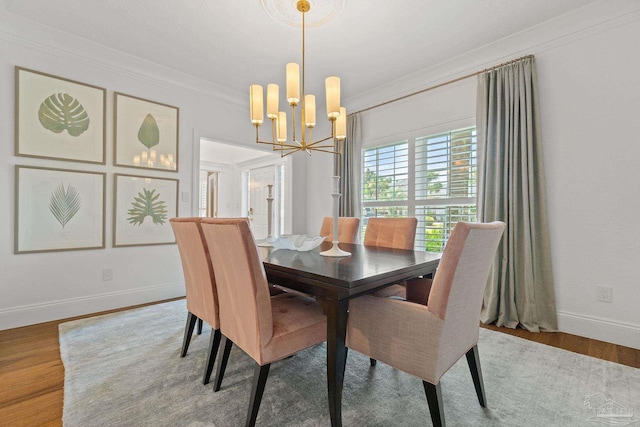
<point x="107" y="274"/>
<point x="604" y="293"/>
<point x="185" y="196"/>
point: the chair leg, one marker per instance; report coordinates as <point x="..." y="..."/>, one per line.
<point x="373" y="361"/>
<point x="260" y="375"/>
<point x="473" y="359"/>
<point x="434" y="398"/>
<point x="199" y="326"/>
<point x="222" y="364"/>
<point x="214" y="344"/>
<point x="188" y="331"/>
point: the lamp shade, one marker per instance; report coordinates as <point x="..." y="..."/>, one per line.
<point x="256" y="103"/>
<point x="332" y="86"/>
<point x="310" y="110"/>
<point x="281" y="134"/>
<point x="273" y="96"/>
<point x="293" y="83"/>
<point x="341" y="124"/>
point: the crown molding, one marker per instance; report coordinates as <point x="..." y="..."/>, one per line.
<point x="46" y="40"/>
<point x="581" y="23"/>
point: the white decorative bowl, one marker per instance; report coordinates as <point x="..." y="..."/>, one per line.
<point x="296" y="242"/>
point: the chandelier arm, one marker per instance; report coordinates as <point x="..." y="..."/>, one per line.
<point x="315" y="147"/>
<point x="278" y="145"/>
<point x="325" y="151"/>
<point x="320" y="141"/>
<point x="286" y="154"/>
<point x="285" y="147"/>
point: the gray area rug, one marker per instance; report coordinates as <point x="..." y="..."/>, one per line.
<point x="124" y="369"/>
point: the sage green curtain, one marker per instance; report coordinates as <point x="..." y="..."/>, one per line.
<point x="349" y="168"/>
<point x="511" y="188"/>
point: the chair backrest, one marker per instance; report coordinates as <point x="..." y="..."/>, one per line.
<point x="243" y="290"/>
<point x="347" y="229"/>
<point x="458" y="286"/>
<point x="200" y="285"/>
<point x="396" y="233"/>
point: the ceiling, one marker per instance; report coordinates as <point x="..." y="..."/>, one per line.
<point x="236" y="43"/>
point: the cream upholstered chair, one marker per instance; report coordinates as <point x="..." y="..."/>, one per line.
<point x="266" y="328"/>
<point x="347" y="229"/>
<point x="202" y="300"/>
<point x="427" y="340"/>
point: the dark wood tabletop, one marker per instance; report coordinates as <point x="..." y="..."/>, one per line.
<point x="333" y="281"/>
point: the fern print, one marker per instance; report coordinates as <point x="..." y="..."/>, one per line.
<point x="146" y="204"/>
<point x="64" y="203"/>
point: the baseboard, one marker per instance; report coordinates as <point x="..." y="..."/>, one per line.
<point x="16" y="317"/>
<point x="624" y="334"/>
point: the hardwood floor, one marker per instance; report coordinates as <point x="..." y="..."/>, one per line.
<point x="32" y="374"/>
<point x="599" y="349"/>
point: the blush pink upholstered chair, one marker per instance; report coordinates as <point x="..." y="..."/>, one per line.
<point x="200" y="286"/>
<point x="396" y="233"/>
<point x="347" y="229"/>
<point x="425" y="340"/>
<point x="266" y="328"/>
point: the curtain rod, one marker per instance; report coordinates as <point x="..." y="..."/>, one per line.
<point x="444" y="84"/>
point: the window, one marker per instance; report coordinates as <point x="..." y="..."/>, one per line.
<point x="432" y="178"/>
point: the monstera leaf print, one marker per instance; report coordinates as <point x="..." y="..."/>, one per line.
<point x="61" y="112"/>
<point x="146" y="204"/>
<point x="149" y="134"/>
<point x="64" y="203"/>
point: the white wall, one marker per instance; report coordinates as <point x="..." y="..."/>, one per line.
<point x="41" y="287"/>
<point x="229" y="188"/>
<point x="588" y="67"/>
<point x="590" y="105"/>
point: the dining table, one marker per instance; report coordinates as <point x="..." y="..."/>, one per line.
<point x="333" y="281"/>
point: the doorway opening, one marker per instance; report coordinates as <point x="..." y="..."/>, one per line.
<point x="234" y="182"/>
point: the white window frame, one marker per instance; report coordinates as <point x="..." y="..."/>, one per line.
<point x="411" y="203"/>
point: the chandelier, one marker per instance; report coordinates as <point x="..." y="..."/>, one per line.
<point x="336" y="114"/>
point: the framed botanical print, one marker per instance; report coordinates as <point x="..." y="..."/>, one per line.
<point x="58" y="210"/>
<point x="142" y="209"/>
<point x="146" y="133"/>
<point x="58" y="118"/>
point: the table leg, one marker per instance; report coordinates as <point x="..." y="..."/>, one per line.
<point x="337" y="312"/>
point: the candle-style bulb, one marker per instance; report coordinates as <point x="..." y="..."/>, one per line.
<point x="309" y="111"/>
<point x="332" y="87"/>
<point x="282" y="127"/>
<point x="293" y="83"/>
<point x="273" y="94"/>
<point x="256" y="103"/>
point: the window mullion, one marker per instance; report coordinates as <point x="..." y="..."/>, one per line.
<point x="411" y="177"/>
